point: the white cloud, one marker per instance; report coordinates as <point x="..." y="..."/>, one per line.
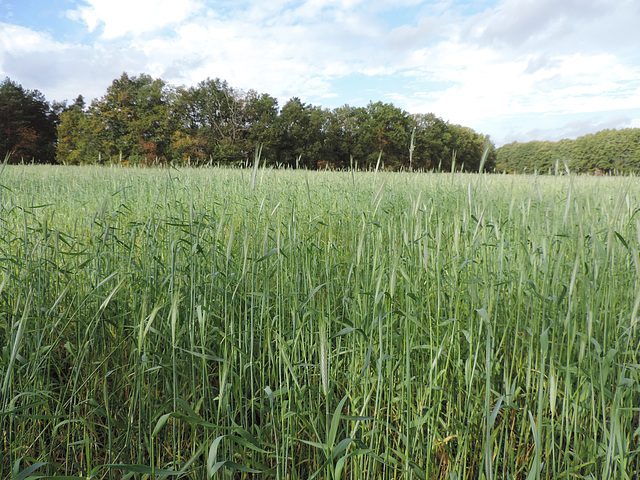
<point x="481" y="85"/>
<point x="560" y="128"/>
<point x="517" y="58"/>
<point x="61" y="70"/>
<point x="517" y="22"/>
<point x="123" y="17"/>
<point x="527" y="57"/>
<point x="257" y="48"/>
<point x="562" y="27"/>
<point x="15" y="38"/>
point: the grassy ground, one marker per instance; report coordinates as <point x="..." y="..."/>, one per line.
<point x="291" y="324"/>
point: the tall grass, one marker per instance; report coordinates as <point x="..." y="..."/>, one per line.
<point x="284" y="324"/>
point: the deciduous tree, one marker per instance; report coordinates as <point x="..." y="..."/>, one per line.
<point x="136" y="119"/>
<point x="27" y="124"/>
<point x="298" y="136"/>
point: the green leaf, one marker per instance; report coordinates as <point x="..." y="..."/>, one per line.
<point x="240" y="468"/>
<point x="495" y="411"/>
<point x="341" y="447"/>
<point x="60" y="477"/>
<point x="212" y="466"/>
<point x="335" y="421"/>
<point x="544" y="341"/>
<point x="420" y="473"/>
<point x="622" y="240"/>
<point x="187" y="407"/>
<point x="270" y="253"/>
<point x="161" y="421"/>
<point x="344" y="331"/>
<point x="483" y="314"/>
<point x="249" y="441"/>
<point x="269" y="393"/>
<point x="144" y="469"/>
<point x="28" y="471"/>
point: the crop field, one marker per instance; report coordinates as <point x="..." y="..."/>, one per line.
<point x="262" y="323"/>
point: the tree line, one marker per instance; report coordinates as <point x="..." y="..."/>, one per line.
<point x="142" y="120"/>
<point x="604" y="152"/>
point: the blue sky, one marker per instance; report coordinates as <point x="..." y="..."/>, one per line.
<point x="514" y="69"/>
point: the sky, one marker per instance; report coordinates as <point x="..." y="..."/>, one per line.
<point x="517" y="70"/>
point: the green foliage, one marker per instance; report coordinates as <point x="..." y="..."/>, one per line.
<point x="27" y="125"/>
<point x="135" y="119"/>
<point x="385" y="129"/>
<point x="433" y="143"/>
<point x="604" y="152"/>
<point x="212" y="113"/>
<point x="260" y="114"/>
<point x="297" y="138"/>
<point x="343" y="132"/>
<point x="143" y="121"/>
<point x="132" y="122"/>
<point x="208" y="323"/>
<point x="79" y="136"/>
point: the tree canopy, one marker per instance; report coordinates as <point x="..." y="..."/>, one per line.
<point x="27" y="124"/>
<point x="606" y="152"/>
<point x="143" y="120"/>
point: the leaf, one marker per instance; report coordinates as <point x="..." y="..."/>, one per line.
<point x="418" y="422"/>
<point x="356" y="453"/>
<point x="16" y="343"/>
<point x="341" y="447"/>
<point x="144" y="469"/>
<point x="269" y="393"/>
<point x="345" y="331"/>
<point x="311" y="295"/>
<point x="161" y="421"/>
<point x="106" y="279"/>
<point x="420" y="473"/>
<point x="232" y="466"/>
<point x="337" y="472"/>
<point x="110" y="296"/>
<point x="318" y="445"/>
<point x="544" y="341"/>
<point x="213" y="469"/>
<point x="335" y="421"/>
<point x="61" y="477"/>
<point x="467" y="336"/>
<point x="483" y="314"/>
<point x="247" y="440"/>
<point x="28" y="471"/>
<point x="271" y="252"/>
<point x="187" y="407"/>
<point x="195" y="420"/>
<point x="212" y="466"/>
<point x="495" y="411"/>
<point x="622" y="240"/>
<point x="203" y="356"/>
